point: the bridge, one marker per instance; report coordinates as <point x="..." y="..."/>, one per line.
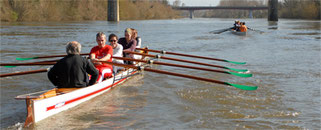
<point x="191" y="9"/>
<point x="113" y="9"/>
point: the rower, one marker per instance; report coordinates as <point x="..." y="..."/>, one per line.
<point x="243" y="28"/>
<point x="71" y="71"/>
<point x="117" y="51"/>
<point x="137" y="38"/>
<point x="139" y="43"/>
<point x="128" y="43"/>
<point x="102" y="52"/>
<point x="237" y="25"/>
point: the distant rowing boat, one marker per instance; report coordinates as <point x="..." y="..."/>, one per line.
<point x="238" y="32"/>
<point x="39" y="108"/>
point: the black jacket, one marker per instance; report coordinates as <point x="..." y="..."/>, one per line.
<point x="72" y="72"/>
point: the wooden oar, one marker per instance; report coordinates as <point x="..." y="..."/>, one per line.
<point x="11" y="65"/>
<point x="188" y="55"/>
<point x="255" y="30"/>
<point x="220" y="31"/>
<point x="244" y="87"/>
<point x="187" y="61"/>
<point x="51" y="56"/>
<point x="26" y="64"/>
<point x="183" y="66"/>
<point x="23" y="73"/>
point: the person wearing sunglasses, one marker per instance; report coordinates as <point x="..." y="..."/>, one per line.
<point x="117" y="51"/>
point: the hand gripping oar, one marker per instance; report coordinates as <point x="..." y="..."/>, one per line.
<point x="23" y="73"/>
<point x="11" y="65"/>
<point x="244" y="87"/>
<point x="187" y="55"/>
<point x="183" y="66"/>
<point x="52" y="56"/>
<point x="187" y="61"/>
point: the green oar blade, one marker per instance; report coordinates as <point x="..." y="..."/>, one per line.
<point x="244" y="87"/>
<point x="234" y="62"/>
<point x="238" y="70"/>
<point x="240" y="74"/>
<point x="26" y="58"/>
<point x="9" y="66"/>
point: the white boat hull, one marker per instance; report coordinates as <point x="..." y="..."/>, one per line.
<point x="43" y="108"/>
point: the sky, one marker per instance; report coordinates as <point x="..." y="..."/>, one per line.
<point x="198" y="2"/>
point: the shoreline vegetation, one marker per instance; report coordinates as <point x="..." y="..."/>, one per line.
<point x="83" y="10"/>
<point x="90" y="10"/>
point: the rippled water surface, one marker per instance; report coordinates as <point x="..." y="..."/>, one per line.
<point x="284" y="58"/>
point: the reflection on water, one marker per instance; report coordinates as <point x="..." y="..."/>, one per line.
<point x="284" y="59"/>
<point x="312" y="33"/>
<point x="273" y="25"/>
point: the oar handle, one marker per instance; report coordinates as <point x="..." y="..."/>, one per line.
<point x="24" y="72"/>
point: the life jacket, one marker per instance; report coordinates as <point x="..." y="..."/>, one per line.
<point x="243" y="28"/>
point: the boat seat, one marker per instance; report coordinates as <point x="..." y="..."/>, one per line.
<point x="55" y="92"/>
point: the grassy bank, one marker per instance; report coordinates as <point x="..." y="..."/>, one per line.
<point x="81" y="10"/>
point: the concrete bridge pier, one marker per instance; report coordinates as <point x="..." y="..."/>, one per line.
<point x="191" y="14"/>
<point x="250" y="13"/>
<point x="273" y="10"/>
<point x="113" y="10"/>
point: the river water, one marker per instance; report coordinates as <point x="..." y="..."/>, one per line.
<point x="284" y="58"/>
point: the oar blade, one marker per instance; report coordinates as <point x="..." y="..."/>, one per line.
<point x="237" y="70"/>
<point x="234" y="62"/>
<point x="241" y="74"/>
<point x="9" y="66"/>
<point x="26" y="58"/>
<point x="243" y="87"/>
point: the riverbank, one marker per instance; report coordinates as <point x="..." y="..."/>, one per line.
<point x="73" y="10"/>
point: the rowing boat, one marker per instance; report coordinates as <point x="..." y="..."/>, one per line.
<point x="238" y="32"/>
<point x="40" y="107"/>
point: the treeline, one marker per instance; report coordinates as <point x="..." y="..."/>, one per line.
<point x="146" y="9"/>
<point x="300" y="9"/>
<point x="80" y="10"/>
